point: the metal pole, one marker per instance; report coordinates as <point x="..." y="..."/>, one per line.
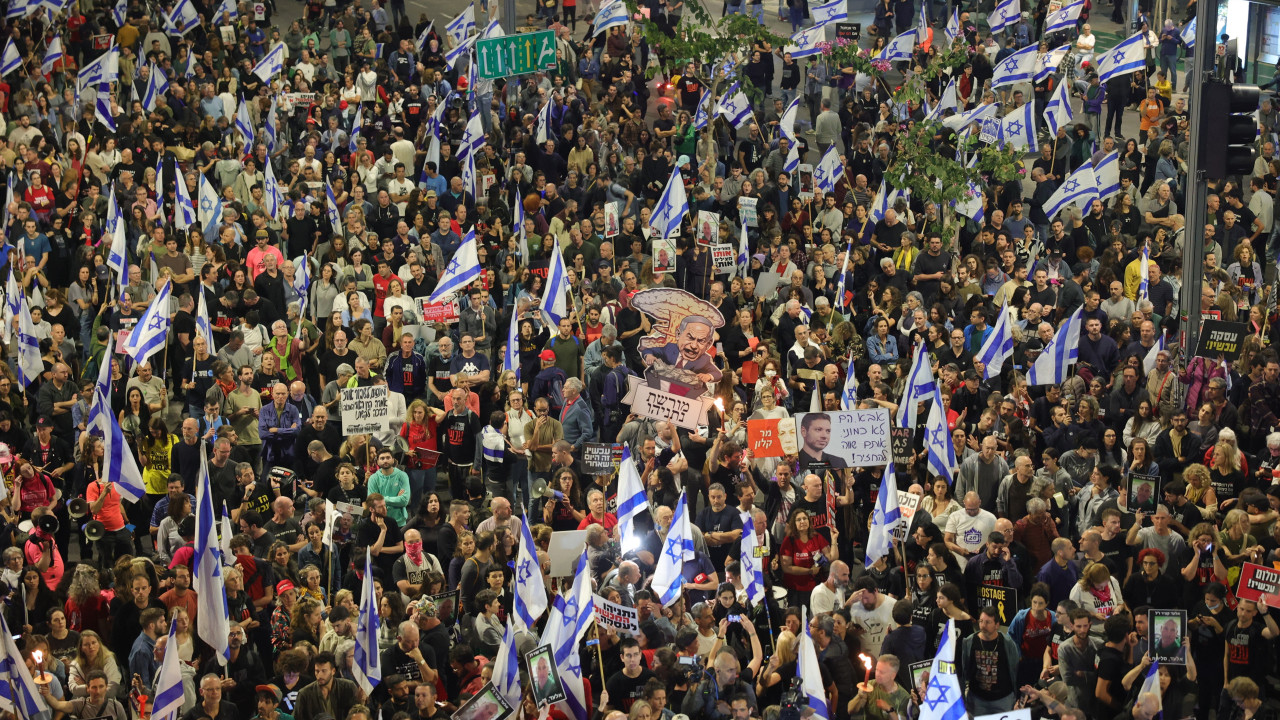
<point x="1193" y="233"/>
<point x="507" y="18"/>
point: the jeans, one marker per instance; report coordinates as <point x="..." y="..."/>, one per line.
<point x="733" y="8"/>
<point x="1095" y="123"/>
<point x="1169" y="63"/>
<point x="86" y="329"/>
<point x="416" y="479"/>
<point x="757" y="11"/>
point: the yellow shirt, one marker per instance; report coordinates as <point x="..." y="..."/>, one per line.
<point x="156" y="474"/>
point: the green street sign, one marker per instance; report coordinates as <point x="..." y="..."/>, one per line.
<point x="516" y="54"/>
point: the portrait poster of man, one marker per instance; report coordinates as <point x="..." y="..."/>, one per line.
<point x="487" y="704"/>
<point x="677" y="350"/>
<point x="816" y="432"/>
<point x="1168" y="630"/>
<point x="546" y="680"/>
<point x="708" y="227"/>
<point x="843" y="439"/>
<point x="446" y="607"/>
<point x="1143" y="492"/>
<point x="612" y="224"/>
<point x="664" y="255"/>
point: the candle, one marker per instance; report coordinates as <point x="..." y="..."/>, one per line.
<point x="42" y="677"/>
<point x="866" y="664"/>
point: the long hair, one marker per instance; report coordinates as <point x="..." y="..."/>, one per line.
<point x="104" y="653"/>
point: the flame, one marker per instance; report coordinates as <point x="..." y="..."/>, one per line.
<point x="719" y="403"/>
<point x="866" y="661"/>
<point x="38" y="656"/>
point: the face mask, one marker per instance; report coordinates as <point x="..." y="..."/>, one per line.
<point x="770" y="373"/>
<point x="414" y="550"/>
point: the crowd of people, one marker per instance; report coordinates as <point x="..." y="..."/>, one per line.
<point x="1143" y="485"/>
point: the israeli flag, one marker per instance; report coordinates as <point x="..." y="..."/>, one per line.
<point x="227" y="8"/>
<point x="451" y="57"/>
<point x="119" y="13"/>
<point x="849" y="396"/>
<point x="676" y="549"/>
<point x="366" y="665"/>
<point x="610" y="15"/>
<point x="899" y="48"/>
<point x="105" y="68"/>
<point x="461" y="271"/>
<point x="744" y="252"/>
<point x="472" y="137"/>
<point x="531" y="590"/>
<point x="517" y="215"/>
<point x="672" y="206"/>
<point x="118" y="461"/>
<point x="506" y="667"/>
<point x="810" y="672"/>
<point x="212" y="622"/>
<point x="972" y="206"/>
<point x="301" y="285"/>
<point x="948" y="101"/>
<point x="462" y="25"/>
<point x="885" y="517"/>
<point x="962" y="120"/>
<point x="331" y="208"/>
<point x="357" y="127"/>
<point x="18" y="691"/>
<point x="204" y="328"/>
<point x="1127" y="57"/>
<point x="1189" y="34"/>
<point x="1149" y="360"/>
<point x="1018" y="128"/>
<point x="425" y="38"/>
<point x="998" y="347"/>
<point x="52" y="54"/>
<point x="1006" y="13"/>
<point x="554" y="300"/>
<point x="1107" y="175"/>
<point x="1018" y="67"/>
<point x="185" y="214"/>
<point x="829" y="170"/>
<point x="244" y="123"/>
<point x="102" y="107"/>
<point x="734" y="105"/>
<point x="921" y="385"/>
<point x="566" y="627"/>
<point x="29" y="364"/>
<point x="1064" y="18"/>
<point x="632" y="501"/>
<point x="882" y="203"/>
<point x="184" y="18"/>
<point x="275" y="198"/>
<point x="702" y="117"/>
<point x="787" y="123"/>
<point x="942" y="697"/>
<point x="157" y="85"/>
<point x="1080" y="189"/>
<point x="752" y="564"/>
<point x="1048" y="63"/>
<point x="117" y="257"/>
<point x="834" y="11"/>
<point x="937" y="441"/>
<point x="807" y="42"/>
<point x="1061" y="353"/>
<point x="1144" y="272"/>
<point x="793" y="159"/>
<point x="152" y="330"/>
<point x="168" y="693"/>
<point x="210" y="208"/>
<point x="19" y="8"/>
<point x="542" y="132"/>
<point x="1057" y="112"/>
<point x="953" y="25"/>
<point x="271" y="64"/>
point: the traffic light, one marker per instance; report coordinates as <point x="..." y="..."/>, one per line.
<point x="1228" y="130"/>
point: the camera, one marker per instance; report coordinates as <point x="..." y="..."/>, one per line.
<point x="793" y="701"/>
<point x="690" y="668"/>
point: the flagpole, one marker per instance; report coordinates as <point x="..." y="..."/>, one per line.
<point x="599" y="650"/>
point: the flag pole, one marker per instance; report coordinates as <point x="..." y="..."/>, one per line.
<point x="599" y="650"/>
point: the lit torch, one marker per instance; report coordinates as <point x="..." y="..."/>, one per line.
<point x="42" y="678"/>
<point x="866" y="686"/>
<point x="719" y="403"/>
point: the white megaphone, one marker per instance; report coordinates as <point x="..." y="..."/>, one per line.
<point x="540" y="489"/>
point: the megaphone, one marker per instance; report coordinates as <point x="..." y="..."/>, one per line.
<point x="77" y="507"/>
<point x="94" y="530"/>
<point x="540" y="489"/>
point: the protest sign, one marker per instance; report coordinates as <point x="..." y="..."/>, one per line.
<point x="489" y="704"/>
<point x="547" y="688"/>
<point x="832" y="441"/>
<point x="1219" y="337"/>
<point x="708" y="227"/>
<point x="771" y="438"/>
<point x="654" y="402"/>
<point x="1259" y="584"/>
<point x="1167" y="629"/>
<point x="1142" y="492"/>
<point x="597" y="458"/>
<point x="900" y="439"/>
<point x="724" y="256"/>
<point x="445" y="312"/>
<point x="1019" y="714"/>
<point x="664" y="255"/>
<point x="365" y="410"/>
<point x="849" y="32"/>
<point x="747" y="211"/>
<point x="618" y="617"/>
<point x="908" y="503"/>
<point x="1003" y="599"/>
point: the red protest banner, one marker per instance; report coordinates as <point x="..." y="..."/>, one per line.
<point x="771" y="437"/>
<point x="439" y="312"/>
<point x="1260" y="584"/>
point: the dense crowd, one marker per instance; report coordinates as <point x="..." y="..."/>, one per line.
<point x="343" y="192"/>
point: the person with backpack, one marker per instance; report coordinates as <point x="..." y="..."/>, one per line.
<point x="549" y="382"/>
<point x="614" y="389"/>
<point x="567" y="351"/>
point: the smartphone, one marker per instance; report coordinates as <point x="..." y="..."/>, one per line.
<point x="1209" y="547"/>
<point x="687" y="660"/>
<point x="734" y="618"/>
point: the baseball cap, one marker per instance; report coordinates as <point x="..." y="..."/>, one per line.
<point x="431" y="194"/>
<point x="270" y="689"/>
<point x="283" y="587"/>
<point x="44" y="421"/>
<point x="547" y="355"/>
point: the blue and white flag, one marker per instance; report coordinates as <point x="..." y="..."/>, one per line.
<point x="511" y="359"/>
<point x="212" y="622"/>
<point x="1151" y="686"/>
<point x="18" y="691"/>
<point x="834" y="11"/>
<point x="152" y="331"/>
<point x="793" y="159"/>
<point x="52" y="54"/>
<point x="849" y="396"/>
<point x="104" y="68"/>
<point x="702" y="116"/>
<point x="734" y="105"/>
<point x="937" y="441"/>
<point x="885" y="518"/>
<point x="632" y="501"/>
<point x="184" y="215"/>
<point x="425" y="38"/>
<point x="451" y="57"/>
<point x="998" y="346"/>
<point x="1080" y="189"/>
<point x="227" y="9"/>
<point x="829" y="170"/>
<point x="517" y="218"/>
<point x="462" y="25"/>
<point x="331" y="208"/>
<point x="672" y="206"/>
<point x="472" y="137"/>
<point x="184" y="18"/>
<point x="806" y="42"/>
<point x="1106" y="172"/>
<point x="899" y="48"/>
<point x="667" y="582"/>
<point x="972" y="207"/>
<point x="921" y="385"/>
<point x="1064" y="18"/>
<point x="1149" y="360"/>
<point x="1047" y="63"/>
<point x="942" y="697"/>
<point x="102" y="107"/>
<point x="962" y="120"/>
<point x="1144" y="272"/>
<point x="271" y="64"/>
<point x="947" y="101"/>
<point x="1063" y="350"/>
<point x="752" y="564"/>
<point x="555" y="302"/>
<point x="302" y="285"/>
<point x="20" y="8"/>
<point x="157" y="86"/>
<point x="1127" y="57"/>
<point x="566" y="626"/>
<point x="119" y="13"/>
<point x="118" y="462"/>
<point x="494" y="30"/>
<point x="1016" y="68"/>
<point x="29" y="364"/>
<point x="787" y="123"/>
<point x="1005" y="14"/>
<point x="1188" y="34"/>
<point x="744" y="252"/>
<point x="204" y="328"/>
<point x="167" y="703"/>
<point x="357" y="127"/>
<point x="113" y="229"/>
<point x="1057" y="112"/>
<point x="244" y="123"/>
<point x="612" y="14"/>
<point x="953" y="25"/>
<point x="542" y="131"/>
<point x="1018" y="128"/>
<point x="209" y="209"/>
<point x="810" y="672"/>
<point x="531" y="590"/>
<point x="461" y="271"/>
<point x="880" y="205"/>
<point x="275" y="200"/>
<point x="506" y="667"/>
<point x="366" y="663"/>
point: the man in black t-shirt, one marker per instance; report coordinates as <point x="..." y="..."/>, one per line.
<point x="721" y="526"/>
<point x="408" y="657"/>
<point x="1249" y="643"/>
<point x="1113" y="664"/>
<point x="628" y="686"/>
<point x="370" y="534"/>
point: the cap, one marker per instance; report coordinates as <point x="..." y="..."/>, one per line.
<point x="262" y="233"/>
<point x="342" y="105"/>
<point x="43" y="421"/>
<point x="682" y="161"/>
<point x="547" y="355"/>
<point x="283" y="587"/>
<point x="430" y="194"/>
<point x="270" y="689"/>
